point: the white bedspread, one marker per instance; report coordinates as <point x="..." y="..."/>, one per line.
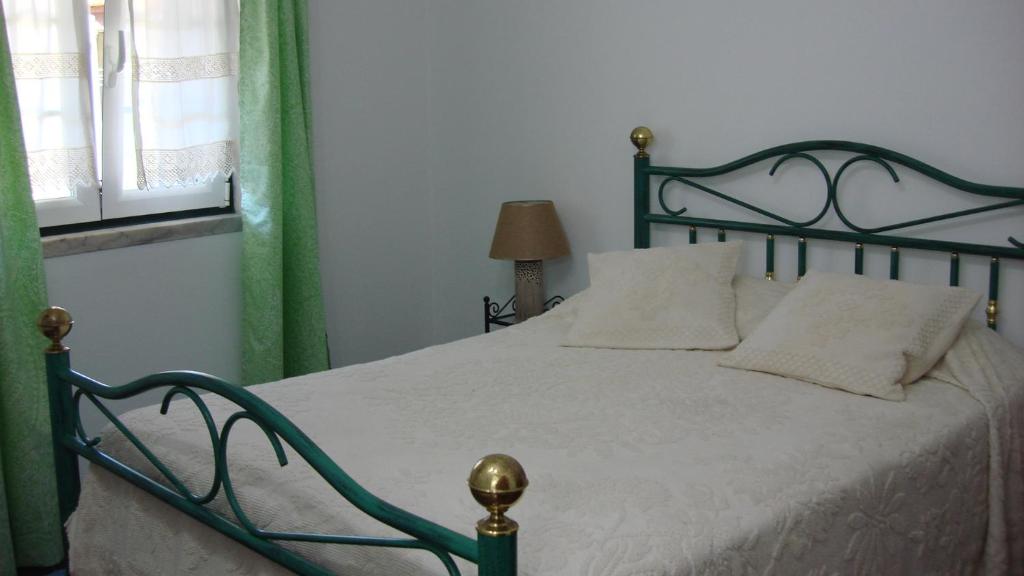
<point x="640" y="462"/>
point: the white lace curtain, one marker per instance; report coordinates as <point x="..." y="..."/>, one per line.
<point x="50" y="52"/>
<point x="184" y="74"/>
<point x="185" y="90"/>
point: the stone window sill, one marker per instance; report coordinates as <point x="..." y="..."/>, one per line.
<point x="121" y="237"/>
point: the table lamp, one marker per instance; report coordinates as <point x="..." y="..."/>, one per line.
<point x="528" y="231"/>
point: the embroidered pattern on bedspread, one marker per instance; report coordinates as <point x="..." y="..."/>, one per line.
<point x="641" y="462"/>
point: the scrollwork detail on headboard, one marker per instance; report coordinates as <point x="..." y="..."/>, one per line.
<point x="866" y="153"/>
<point x="835" y="189"/>
<point x="747" y="205"/>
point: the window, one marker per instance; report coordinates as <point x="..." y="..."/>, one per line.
<point x="129" y="108"/>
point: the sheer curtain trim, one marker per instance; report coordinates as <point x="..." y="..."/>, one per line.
<point x="187" y="68"/>
<point x="192" y="165"/>
<point x="61" y="169"/>
<point x="39" y="66"/>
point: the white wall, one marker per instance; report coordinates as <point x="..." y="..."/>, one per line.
<point x="374" y="200"/>
<point x="431" y="113"/>
<point x="144" y="309"/>
<point x="535" y="99"/>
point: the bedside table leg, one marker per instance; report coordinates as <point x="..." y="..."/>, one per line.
<point x="487" y="315"/>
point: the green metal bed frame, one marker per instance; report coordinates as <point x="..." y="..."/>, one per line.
<point x="497" y="481"/>
<point x="643" y="217"/>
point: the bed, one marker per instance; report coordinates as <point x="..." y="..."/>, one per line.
<point x="640" y="461"/>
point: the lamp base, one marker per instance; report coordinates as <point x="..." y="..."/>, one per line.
<point x="529" y="289"/>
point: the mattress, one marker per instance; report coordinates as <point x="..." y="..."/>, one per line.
<point x="640" y="462"/>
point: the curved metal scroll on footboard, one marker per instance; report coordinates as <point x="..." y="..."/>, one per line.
<point x="496" y="482"/>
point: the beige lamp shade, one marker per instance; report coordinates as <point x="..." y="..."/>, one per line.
<point x="528" y="230"/>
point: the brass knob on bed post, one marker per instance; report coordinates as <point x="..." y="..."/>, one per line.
<point x="55" y="323"/>
<point x="641" y="137"/>
<point x="497" y="482"/>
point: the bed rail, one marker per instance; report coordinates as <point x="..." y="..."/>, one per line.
<point x="859" y="236"/>
<point x="496" y="481"/>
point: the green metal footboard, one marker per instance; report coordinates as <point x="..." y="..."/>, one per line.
<point x="859" y="236"/>
<point x="496" y="481"/>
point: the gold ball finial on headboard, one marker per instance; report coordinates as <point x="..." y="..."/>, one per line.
<point x="55" y="323"/>
<point x="497" y="482"/>
<point x="641" y="137"/>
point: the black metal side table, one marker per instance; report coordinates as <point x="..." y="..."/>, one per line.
<point x="505" y="314"/>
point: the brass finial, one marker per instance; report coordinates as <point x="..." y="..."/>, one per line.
<point x="641" y="137"/>
<point x="55" y="323"/>
<point x="497" y="482"/>
<point x="992" y="313"/>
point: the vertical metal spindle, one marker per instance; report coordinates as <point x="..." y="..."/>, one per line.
<point x="801" y="256"/>
<point x="954" y="269"/>
<point x="55" y="323"/>
<point x="894" y="263"/>
<point x="721" y="234"/>
<point x="992" y="310"/>
<point x="487" y="315"/>
<point x="641" y="137"/>
<point x="769" y="246"/>
<point x="693" y="234"/>
<point x="858" y="258"/>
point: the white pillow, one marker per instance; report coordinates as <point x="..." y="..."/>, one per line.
<point x="660" y="298"/>
<point x="857" y="334"/>
<point x="755" y="299"/>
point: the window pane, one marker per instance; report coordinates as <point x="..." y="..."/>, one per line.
<point x="50" y="52"/>
<point x="186" y="89"/>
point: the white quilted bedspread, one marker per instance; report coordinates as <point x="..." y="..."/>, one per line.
<point x="640" y="462"/>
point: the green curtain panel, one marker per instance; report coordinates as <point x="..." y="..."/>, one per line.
<point x="30" y="531"/>
<point x="283" y="317"/>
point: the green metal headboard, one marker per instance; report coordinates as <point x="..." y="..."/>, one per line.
<point x="497" y="481"/>
<point x="643" y="217"/>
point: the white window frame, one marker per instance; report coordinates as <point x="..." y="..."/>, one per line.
<point x="82" y="207"/>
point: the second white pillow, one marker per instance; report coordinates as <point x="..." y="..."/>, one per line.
<point x="854" y="333"/>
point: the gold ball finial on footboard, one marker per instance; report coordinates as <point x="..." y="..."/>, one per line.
<point x="641" y="137"/>
<point x="55" y="323"/>
<point x="497" y="482"/>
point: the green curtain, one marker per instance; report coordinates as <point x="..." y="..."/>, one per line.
<point x="283" y="327"/>
<point x="30" y="531"/>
